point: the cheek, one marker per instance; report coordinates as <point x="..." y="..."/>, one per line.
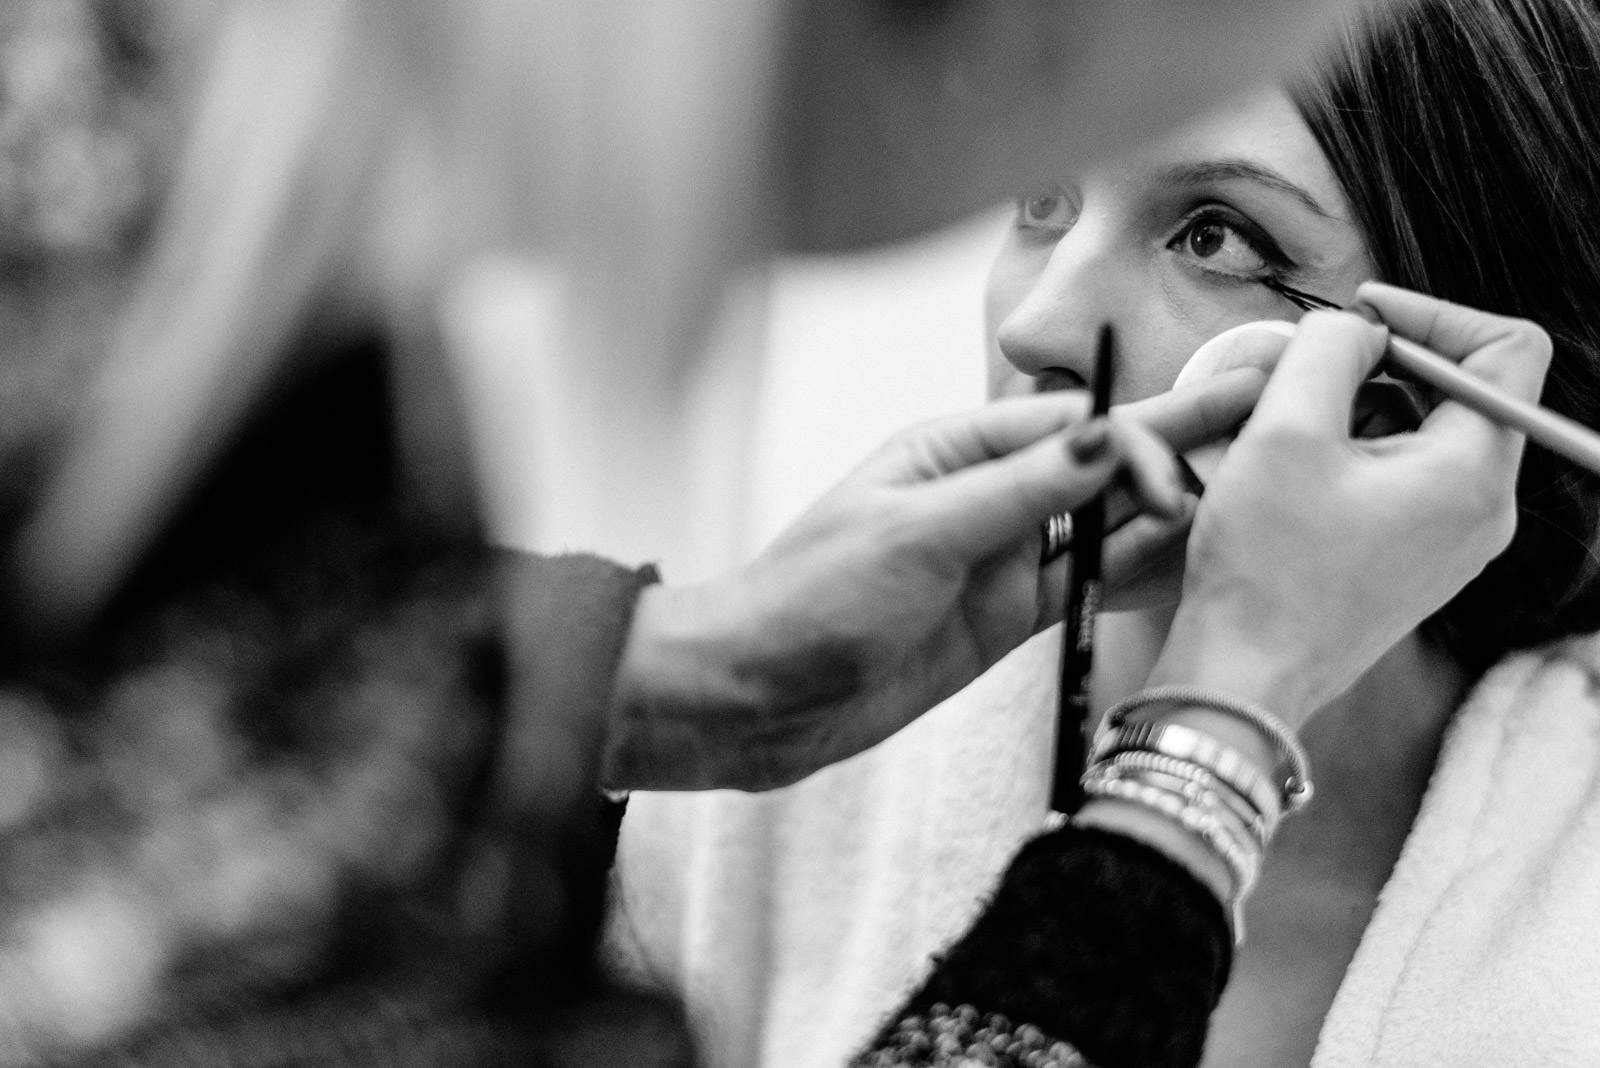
<point x="1186" y="316"/>
<point x="1156" y="336"/>
<point x="1151" y="358"/>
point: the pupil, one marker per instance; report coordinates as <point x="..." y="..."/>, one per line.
<point x="1206" y="239"/>
<point x="1044" y="206"/>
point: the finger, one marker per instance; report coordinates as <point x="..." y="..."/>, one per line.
<point x="1476" y="413"/>
<point x="1151" y="468"/>
<point x="950" y="443"/>
<point x="1315" y="383"/>
<point x="1052" y="596"/>
<point x="1513" y="354"/>
<point x="1384" y="407"/>
<point x="1200" y="413"/>
<point x="990" y="507"/>
<point x="1145" y="547"/>
<point x="1133" y="553"/>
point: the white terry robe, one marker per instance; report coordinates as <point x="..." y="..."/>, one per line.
<point x="1484" y="948"/>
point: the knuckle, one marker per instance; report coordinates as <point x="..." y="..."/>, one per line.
<point x="912" y="439"/>
<point x="1336" y="322"/>
<point x="1504" y="531"/>
<point x="918" y="447"/>
<point x="1281" y="437"/>
<point x="901" y="532"/>
<point x="1528" y="335"/>
<point x="1024" y="494"/>
<point x="1488" y="506"/>
<point x="1500" y="525"/>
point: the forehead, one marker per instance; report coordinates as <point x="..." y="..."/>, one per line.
<point x="1254" y="137"/>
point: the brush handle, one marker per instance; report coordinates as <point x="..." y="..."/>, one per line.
<point x="1074" y="726"/>
<point x="1555" y="432"/>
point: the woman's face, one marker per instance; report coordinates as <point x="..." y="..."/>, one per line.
<point x="1169" y="246"/>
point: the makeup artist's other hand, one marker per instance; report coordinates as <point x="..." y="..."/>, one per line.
<point x="1314" y="552"/>
<point x="899" y="586"/>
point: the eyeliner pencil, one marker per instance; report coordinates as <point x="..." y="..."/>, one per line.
<point x="1553" y="430"/>
<point x="1073" y="724"/>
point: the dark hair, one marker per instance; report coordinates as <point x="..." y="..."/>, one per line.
<point x="1466" y="134"/>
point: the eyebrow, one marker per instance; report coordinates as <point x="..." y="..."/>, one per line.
<point x="1222" y="170"/>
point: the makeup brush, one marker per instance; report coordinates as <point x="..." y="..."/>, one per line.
<point x="1083" y="605"/>
<point x="1554" y="431"/>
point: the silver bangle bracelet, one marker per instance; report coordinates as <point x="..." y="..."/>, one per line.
<point x="1260" y="820"/>
<point x="1298" y="788"/>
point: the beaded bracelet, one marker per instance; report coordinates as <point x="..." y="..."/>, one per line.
<point x="1297" y="788"/>
<point x="956" y="1038"/>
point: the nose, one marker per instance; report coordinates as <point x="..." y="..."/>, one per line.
<point x="1050" y="334"/>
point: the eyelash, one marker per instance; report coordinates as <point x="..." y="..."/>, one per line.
<point x="1031" y="227"/>
<point x="1277" y="263"/>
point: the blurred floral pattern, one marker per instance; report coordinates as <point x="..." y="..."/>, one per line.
<point x="92" y="105"/>
<point x="88" y="115"/>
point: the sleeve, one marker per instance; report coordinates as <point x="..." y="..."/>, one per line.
<point x="1095" y="950"/>
<point x="567" y="620"/>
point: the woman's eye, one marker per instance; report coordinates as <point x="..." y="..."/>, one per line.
<point x="1049" y="209"/>
<point x="1220" y="246"/>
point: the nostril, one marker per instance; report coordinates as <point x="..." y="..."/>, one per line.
<point x="1052" y="379"/>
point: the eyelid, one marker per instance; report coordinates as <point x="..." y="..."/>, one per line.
<point x="1047" y="189"/>
<point x="1257" y="238"/>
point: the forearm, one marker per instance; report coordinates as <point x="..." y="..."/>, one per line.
<point x="673" y="676"/>
<point x="704" y="700"/>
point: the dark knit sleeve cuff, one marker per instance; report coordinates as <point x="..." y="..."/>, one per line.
<point x="567" y="624"/>
<point x="567" y="620"/>
<point x="1096" y="949"/>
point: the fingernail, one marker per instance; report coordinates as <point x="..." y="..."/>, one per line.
<point x="1188" y="480"/>
<point x="1181" y="507"/>
<point x="1373" y="285"/>
<point x="1090" y="442"/>
<point x="1366" y="311"/>
<point x="1172" y="506"/>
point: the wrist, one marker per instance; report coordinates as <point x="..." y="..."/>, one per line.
<point x="671" y="665"/>
<point x="1221" y="771"/>
<point x="1206" y="654"/>
<point x="708" y="694"/>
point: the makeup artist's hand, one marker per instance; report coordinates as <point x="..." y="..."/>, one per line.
<point x="899" y="586"/>
<point x="1314" y="552"/>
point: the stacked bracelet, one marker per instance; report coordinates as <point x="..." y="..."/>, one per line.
<point x="1197" y="748"/>
<point x="1200" y="813"/>
<point x="1297" y="787"/>
<point x="1210" y="789"/>
<point x="1199" y="784"/>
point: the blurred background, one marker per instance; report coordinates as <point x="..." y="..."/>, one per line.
<point x="651" y="197"/>
<point x="663" y="356"/>
<point x="648" y="278"/>
<point x="93" y="97"/>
